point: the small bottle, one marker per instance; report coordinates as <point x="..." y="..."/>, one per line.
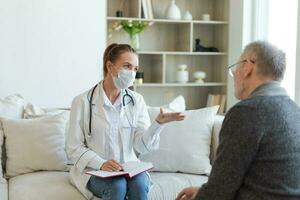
<point x="139" y="78"/>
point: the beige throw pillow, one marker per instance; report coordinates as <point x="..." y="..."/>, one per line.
<point x="35" y="144"/>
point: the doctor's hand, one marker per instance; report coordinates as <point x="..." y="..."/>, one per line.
<point x="111" y="166"/>
<point x="188" y="193"/>
<point x="169" y="117"/>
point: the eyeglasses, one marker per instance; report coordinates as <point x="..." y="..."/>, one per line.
<point x="232" y="68"/>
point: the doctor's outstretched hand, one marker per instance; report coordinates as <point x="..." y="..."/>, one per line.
<point x="188" y="193"/>
<point x="169" y="117"/>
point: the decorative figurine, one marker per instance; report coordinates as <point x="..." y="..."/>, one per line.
<point x="200" y="48"/>
<point x="199" y="76"/>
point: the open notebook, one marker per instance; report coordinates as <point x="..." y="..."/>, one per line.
<point x="130" y="169"/>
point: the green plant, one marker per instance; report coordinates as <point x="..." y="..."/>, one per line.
<point x="133" y="27"/>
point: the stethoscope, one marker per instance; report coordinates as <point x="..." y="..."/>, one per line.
<point x="126" y="95"/>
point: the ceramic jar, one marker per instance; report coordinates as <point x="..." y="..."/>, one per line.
<point x="182" y="75"/>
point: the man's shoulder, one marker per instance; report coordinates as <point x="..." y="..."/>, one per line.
<point x="257" y="102"/>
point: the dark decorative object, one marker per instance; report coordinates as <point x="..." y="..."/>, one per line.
<point x="119" y="13"/>
<point x="139" y="77"/>
<point x="200" y="48"/>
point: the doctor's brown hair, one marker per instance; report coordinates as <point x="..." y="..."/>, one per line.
<point x="112" y="53"/>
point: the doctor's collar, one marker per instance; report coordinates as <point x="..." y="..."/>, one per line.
<point x="106" y="100"/>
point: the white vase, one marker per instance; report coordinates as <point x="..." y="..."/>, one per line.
<point x="173" y="11"/>
<point x="187" y="16"/>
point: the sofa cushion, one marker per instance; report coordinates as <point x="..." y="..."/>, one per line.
<point x="215" y="137"/>
<point x="185" y="145"/>
<point x="3" y="190"/>
<point x="166" y="186"/>
<point x="1" y="144"/>
<point x="11" y="107"/>
<point x="176" y="105"/>
<point x="56" y="185"/>
<point x="46" y="185"/>
<point x="35" y="144"/>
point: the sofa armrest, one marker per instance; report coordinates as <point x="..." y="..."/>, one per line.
<point x="3" y="189"/>
<point x="215" y="137"/>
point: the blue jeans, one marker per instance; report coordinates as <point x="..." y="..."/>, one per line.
<point x="118" y="188"/>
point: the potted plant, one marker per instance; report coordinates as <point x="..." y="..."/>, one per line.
<point x="133" y="28"/>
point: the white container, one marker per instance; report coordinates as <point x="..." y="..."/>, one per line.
<point x="206" y="17"/>
<point x="173" y="11"/>
<point x="182" y="76"/>
<point x="199" y="76"/>
<point x="187" y="16"/>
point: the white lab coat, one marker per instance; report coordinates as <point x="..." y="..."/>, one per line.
<point x="136" y="134"/>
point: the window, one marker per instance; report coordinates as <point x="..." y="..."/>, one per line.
<point x="280" y="28"/>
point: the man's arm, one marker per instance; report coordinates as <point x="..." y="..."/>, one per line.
<point x="239" y="142"/>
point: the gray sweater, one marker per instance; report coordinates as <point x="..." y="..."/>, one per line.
<point x="259" y="152"/>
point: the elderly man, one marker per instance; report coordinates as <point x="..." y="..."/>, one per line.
<point x="259" y="151"/>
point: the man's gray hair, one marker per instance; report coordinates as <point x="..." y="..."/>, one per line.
<point x="270" y="60"/>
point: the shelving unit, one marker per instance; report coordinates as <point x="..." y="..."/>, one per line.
<point x="167" y="43"/>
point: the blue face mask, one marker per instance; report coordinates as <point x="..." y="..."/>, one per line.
<point x="124" y="79"/>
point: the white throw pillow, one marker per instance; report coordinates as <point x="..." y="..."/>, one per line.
<point x="33" y="111"/>
<point x="12" y="107"/>
<point x="176" y="105"/>
<point x="185" y="145"/>
<point x="35" y="144"/>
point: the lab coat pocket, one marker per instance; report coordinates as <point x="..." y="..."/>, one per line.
<point x="127" y="126"/>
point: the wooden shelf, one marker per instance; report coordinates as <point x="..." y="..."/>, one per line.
<point x="211" y="84"/>
<point x="184" y="53"/>
<point x="166" y="44"/>
<point x="166" y="20"/>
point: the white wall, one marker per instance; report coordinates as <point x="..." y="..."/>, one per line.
<point x="237" y="36"/>
<point x="51" y="50"/>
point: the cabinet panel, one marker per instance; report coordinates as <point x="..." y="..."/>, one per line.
<point x="129" y="8"/>
<point x="211" y="36"/>
<point x="166" y="37"/>
<point x="152" y="67"/>
<point x="211" y="65"/>
<point x="195" y="97"/>
<point x="157" y="37"/>
<point x="218" y="9"/>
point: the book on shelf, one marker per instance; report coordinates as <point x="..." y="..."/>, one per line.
<point x="150" y="9"/>
<point x="217" y="99"/>
<point x="130" y="169"/>
<point x="147" y="9"/>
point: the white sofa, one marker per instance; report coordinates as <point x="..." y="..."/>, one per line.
<point x="49" y="185"/>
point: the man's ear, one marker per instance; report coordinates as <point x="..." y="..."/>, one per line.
<point x="248" y="69"/>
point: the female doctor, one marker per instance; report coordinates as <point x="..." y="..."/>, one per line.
<point x="108" y="124"/>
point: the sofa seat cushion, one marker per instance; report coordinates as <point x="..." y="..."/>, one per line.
<point x="3" y="190"/>
<point x="166" y="186"/>
<point x="46" y="185"/>
<point x="55" y="185"/>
